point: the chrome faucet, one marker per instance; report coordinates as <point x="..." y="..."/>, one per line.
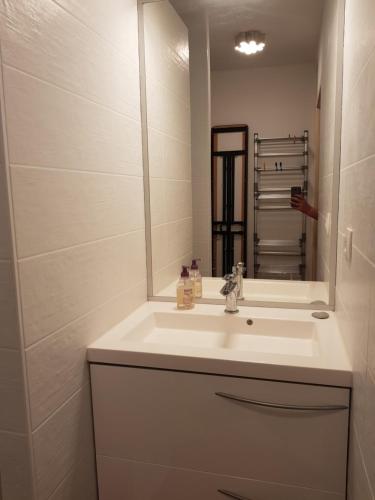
<point x="238" y="271"/>
<point x="229" y="291"/>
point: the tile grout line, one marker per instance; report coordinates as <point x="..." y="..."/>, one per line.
<point x="358" y="162"/>
<point x="66" y="476"/>
<point x="166" y="134"/>
<point x="363" y="463"/>
<point x="9" y="349"/>
<point x="88" y="27"/>
<point x="183" y="219"/>
<point x="169" y="179"/>
<point x="74" y="170"/>
<point x="13" y="433"/>
<point x="79" y="245"/>
<point x="351" y="90"/>
<point x="76" y="95"/>
<point x="33" y="345"/>
<point x="60" y="407"/>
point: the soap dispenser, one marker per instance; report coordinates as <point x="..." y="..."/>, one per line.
<point x="196" y="278"/>
<point x="185" y="295"/>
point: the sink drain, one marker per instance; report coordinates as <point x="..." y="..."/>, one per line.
<point x="249" y="322"/>
<point x="320" y="315"/>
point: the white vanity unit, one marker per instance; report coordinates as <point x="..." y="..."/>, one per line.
<point x="200" y="405"/>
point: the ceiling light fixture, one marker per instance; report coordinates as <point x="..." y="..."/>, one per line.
<point x="250" y="42"/>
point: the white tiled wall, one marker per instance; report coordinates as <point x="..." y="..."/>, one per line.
<point x="15" y="471"/>
<point x="356" y="279"/>
<point x="200" y="88"/>
<point x="72" y="121"/>
<point x="328" y="84"/>
<point x="168" y="124"/>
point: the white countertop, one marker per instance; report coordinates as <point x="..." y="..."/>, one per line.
<point x="329" y="365"/>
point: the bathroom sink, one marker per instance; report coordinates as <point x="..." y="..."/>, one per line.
<point x="283" y="337"/>
<point x="277" y="344"/>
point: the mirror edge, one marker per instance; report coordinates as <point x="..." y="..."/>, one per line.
<point x="145" y="157"/>
<point x="337" y="159"/>
<point x="335" y="187"/>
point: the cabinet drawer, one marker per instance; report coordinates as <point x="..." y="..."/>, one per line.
<point x="177" y="419"/>
<point x="119" y="479"/>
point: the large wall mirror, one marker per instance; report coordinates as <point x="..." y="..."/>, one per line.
<point x="241" y="107"/>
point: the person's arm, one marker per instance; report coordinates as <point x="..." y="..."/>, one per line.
<point x="298" y="202"/>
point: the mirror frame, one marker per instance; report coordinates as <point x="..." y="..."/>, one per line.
<point x="335" y="183"/>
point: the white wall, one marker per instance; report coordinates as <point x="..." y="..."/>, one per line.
<point x="355" y="295"/>
<point x="168" y="125"/>
<point x="273" y="101"/>
<point x="71" y="109"/>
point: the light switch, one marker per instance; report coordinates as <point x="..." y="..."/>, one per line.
<point x="327" y="224"/>
<point x="348" y="244"/>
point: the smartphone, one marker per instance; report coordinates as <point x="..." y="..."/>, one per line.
<point x="295" y="191"/>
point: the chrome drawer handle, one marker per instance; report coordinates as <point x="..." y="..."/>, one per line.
<point x="266" y="404"/>
<point x="232" y="495"/>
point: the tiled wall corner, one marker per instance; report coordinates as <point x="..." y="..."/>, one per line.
<point x="355" y="294"/>
<point x="72" y="120"/>
<point x="15" y="453"/>
<point x="168" y="125"/>
<point x="330" y="39"/>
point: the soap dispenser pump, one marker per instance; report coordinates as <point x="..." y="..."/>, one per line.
<point x="196" y="278"/>
<point x="184" y="292"/>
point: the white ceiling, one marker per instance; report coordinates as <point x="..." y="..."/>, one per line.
<point x="292" y="28"/>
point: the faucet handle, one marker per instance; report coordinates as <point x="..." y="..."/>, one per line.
<point x="240" y="267"/>
<point x="230" y="285"/>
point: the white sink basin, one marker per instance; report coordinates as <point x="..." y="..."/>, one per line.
<point x="279" y="344"/>
<point x="283" y="337"/>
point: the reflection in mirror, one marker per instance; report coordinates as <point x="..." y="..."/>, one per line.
<point x="243" y="107"/>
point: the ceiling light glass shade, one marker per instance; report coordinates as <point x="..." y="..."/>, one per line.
<point x="250" y="42"/>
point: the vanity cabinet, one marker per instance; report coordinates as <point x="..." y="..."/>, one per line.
<point x="175" y="435"/>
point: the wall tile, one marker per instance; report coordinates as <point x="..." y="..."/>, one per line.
<point x="170" y="274"/>
<point x="179" y="237"/>
<point x="354" y="285"/>
<point x="170" y="200"/>
<point x="168" y="157"/>
<point x="59" y="287"/>
<point x="168" y="124"/>
<point x="12" y="396"/>
<point x="62" y="442"/>
<point x="167" y="113"/>
<point x="166" y="42"/>
<point x="72" y="101"/>
<point x="358" y="124"/>
<point x="360" y="34"/>
<point x="9" y="335"/>
<point x="358" y="187"/>
<point x="15" y="467"/>
<point x="72" y="207"/>
<point x="80" y="484"/>
<point x="371" y="339"/>
<point x="358" y="486"/>
<point x="49" y="127"/>
<point x="54" y="46"/>
<point x="5" y="234"/>
<point x="114" y="20"/>
<point x="368" y="432"/>
<point x="356" y="280"/>
<point x="57" y="365"/>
